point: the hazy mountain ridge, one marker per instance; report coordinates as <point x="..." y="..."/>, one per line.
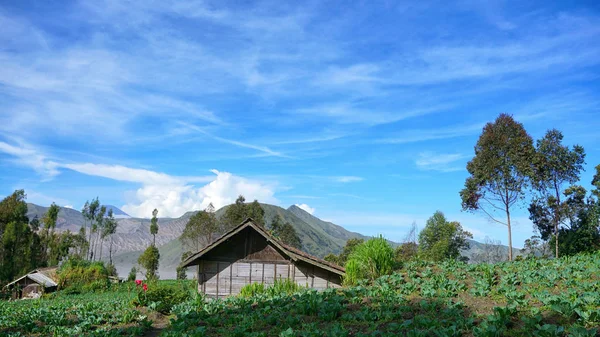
<point x="318" y="237"/>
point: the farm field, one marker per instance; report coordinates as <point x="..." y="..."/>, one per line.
<point x="524" y="298"/>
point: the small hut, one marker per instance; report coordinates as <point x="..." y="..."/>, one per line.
<point x="249" y="254"/>
<point x="34" y="284"/>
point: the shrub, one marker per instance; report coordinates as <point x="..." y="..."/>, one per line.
<point x="370" y="260"/>
<point x="79" y="273"/>
<point x="161" y="298"/>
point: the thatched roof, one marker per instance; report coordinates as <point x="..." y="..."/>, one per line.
<point x="293" y="253"/>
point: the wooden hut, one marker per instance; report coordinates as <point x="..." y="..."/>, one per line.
<point x="33" y="284"/>
<point x="249" y="254"/>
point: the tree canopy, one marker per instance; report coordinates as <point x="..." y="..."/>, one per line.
<point x="500" y="171"/>
<point x="442" y="239"/>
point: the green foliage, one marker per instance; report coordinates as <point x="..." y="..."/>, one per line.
<point x="499" y="171"/>
<point x="554" y="166"/>
<point x="348" y="249"/>
<point x="154" y="225"/>
<point x="278" y="288"/>
<point x="236" y="213"/>
<point x="17" y="239"/>
<point x="149" y="262"/>
<point x="369" y="261"/>
<point x="79" y="273"/>
<point x="200" y="229"/>
<point x="252" y="289"/>
<point x="88" y="314"/>
<point x="161" y="297"/>
<point x="181" y="275"/>
<point x="132" y="274"/>
<point x="442" y="239"/>
<point x="285" y="232"/>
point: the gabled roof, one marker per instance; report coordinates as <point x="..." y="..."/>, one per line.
<point x="38" y="277"/>
<point x="291" y="252"/>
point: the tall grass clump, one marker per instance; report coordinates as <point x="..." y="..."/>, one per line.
<point x="370" y="260"/>
<point x="280" y="287"/>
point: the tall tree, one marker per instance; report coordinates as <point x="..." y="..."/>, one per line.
<point x="154" y="226"/>
<point x="48" y="238"/>
<point x="110" y="228"/>
<point x="240" y="211"/>
<point x="92" y="213"/>
<point x="500" y="171"/>
<point x="442" y="239"/>
<point x="554" y="166"/>
<point x="149" y="259"/>
<point x="285" y="232"/>
<point x="14" y="238"/>
<point x="97" y="229"/>
<point x="579" y="229"/>
<point x="200" y="229"/>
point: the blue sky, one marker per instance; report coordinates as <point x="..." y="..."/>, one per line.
<point x="365" y="112"/>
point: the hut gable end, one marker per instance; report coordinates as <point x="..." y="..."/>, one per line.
<point x="247" y="245"/>
<point x="249" y="254"/>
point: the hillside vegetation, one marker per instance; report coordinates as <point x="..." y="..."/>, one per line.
<point x="532" y="297"/>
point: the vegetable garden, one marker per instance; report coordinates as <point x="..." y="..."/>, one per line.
<point x="532" y="297"/>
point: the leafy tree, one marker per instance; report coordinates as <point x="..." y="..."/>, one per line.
<point x="49" y="240"/>
<point x="132" y="274"/>
<point x="150" y="257"/>
<point x="442" y="239"/>
<point x="408" y="250"/>
<point x="110" y="228"/>
<point x="499" y="171"/>
<point x="97" y="228"/>
<point x="370" y="260"/>
<point x="239" y="211"/>
<point x="181" y="275"/>
<point x="348" y="249"/>
<point x="149" y="262"/>
<point x="15" y="236"/>
<point x="200" y="229"/>
<point x="154" y="226"/>
<point x="285" y="232"/>
<point x="555" y="165"/>
<point x="92" y="212"/>
<point x="579" y="228"/>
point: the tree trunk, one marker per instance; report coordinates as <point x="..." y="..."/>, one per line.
<point x="510" y="257"/>
<point x="557" y="217"/>
<point x="101" y="244"/>
<point x="90" y="253"/>
<point x="110" y="250"/>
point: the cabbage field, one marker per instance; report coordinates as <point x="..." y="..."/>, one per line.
<point x="533" y="297"/>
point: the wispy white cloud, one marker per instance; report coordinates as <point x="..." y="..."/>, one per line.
<point x="347" y="179"/>
<point x="442" y="162"/>
<point x="30" y="157"/>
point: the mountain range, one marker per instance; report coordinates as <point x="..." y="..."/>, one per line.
<point x="318" y="237"/>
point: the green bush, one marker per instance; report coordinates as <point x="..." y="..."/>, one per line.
<point x="161" y="298"/>
<point x="370" y="260"/>
<point x="82" y="274"/>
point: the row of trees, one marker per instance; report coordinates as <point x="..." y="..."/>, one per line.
<point x="204" y="227"/>
<point x="27" y="244"/>
<point x="509" y="169"/>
